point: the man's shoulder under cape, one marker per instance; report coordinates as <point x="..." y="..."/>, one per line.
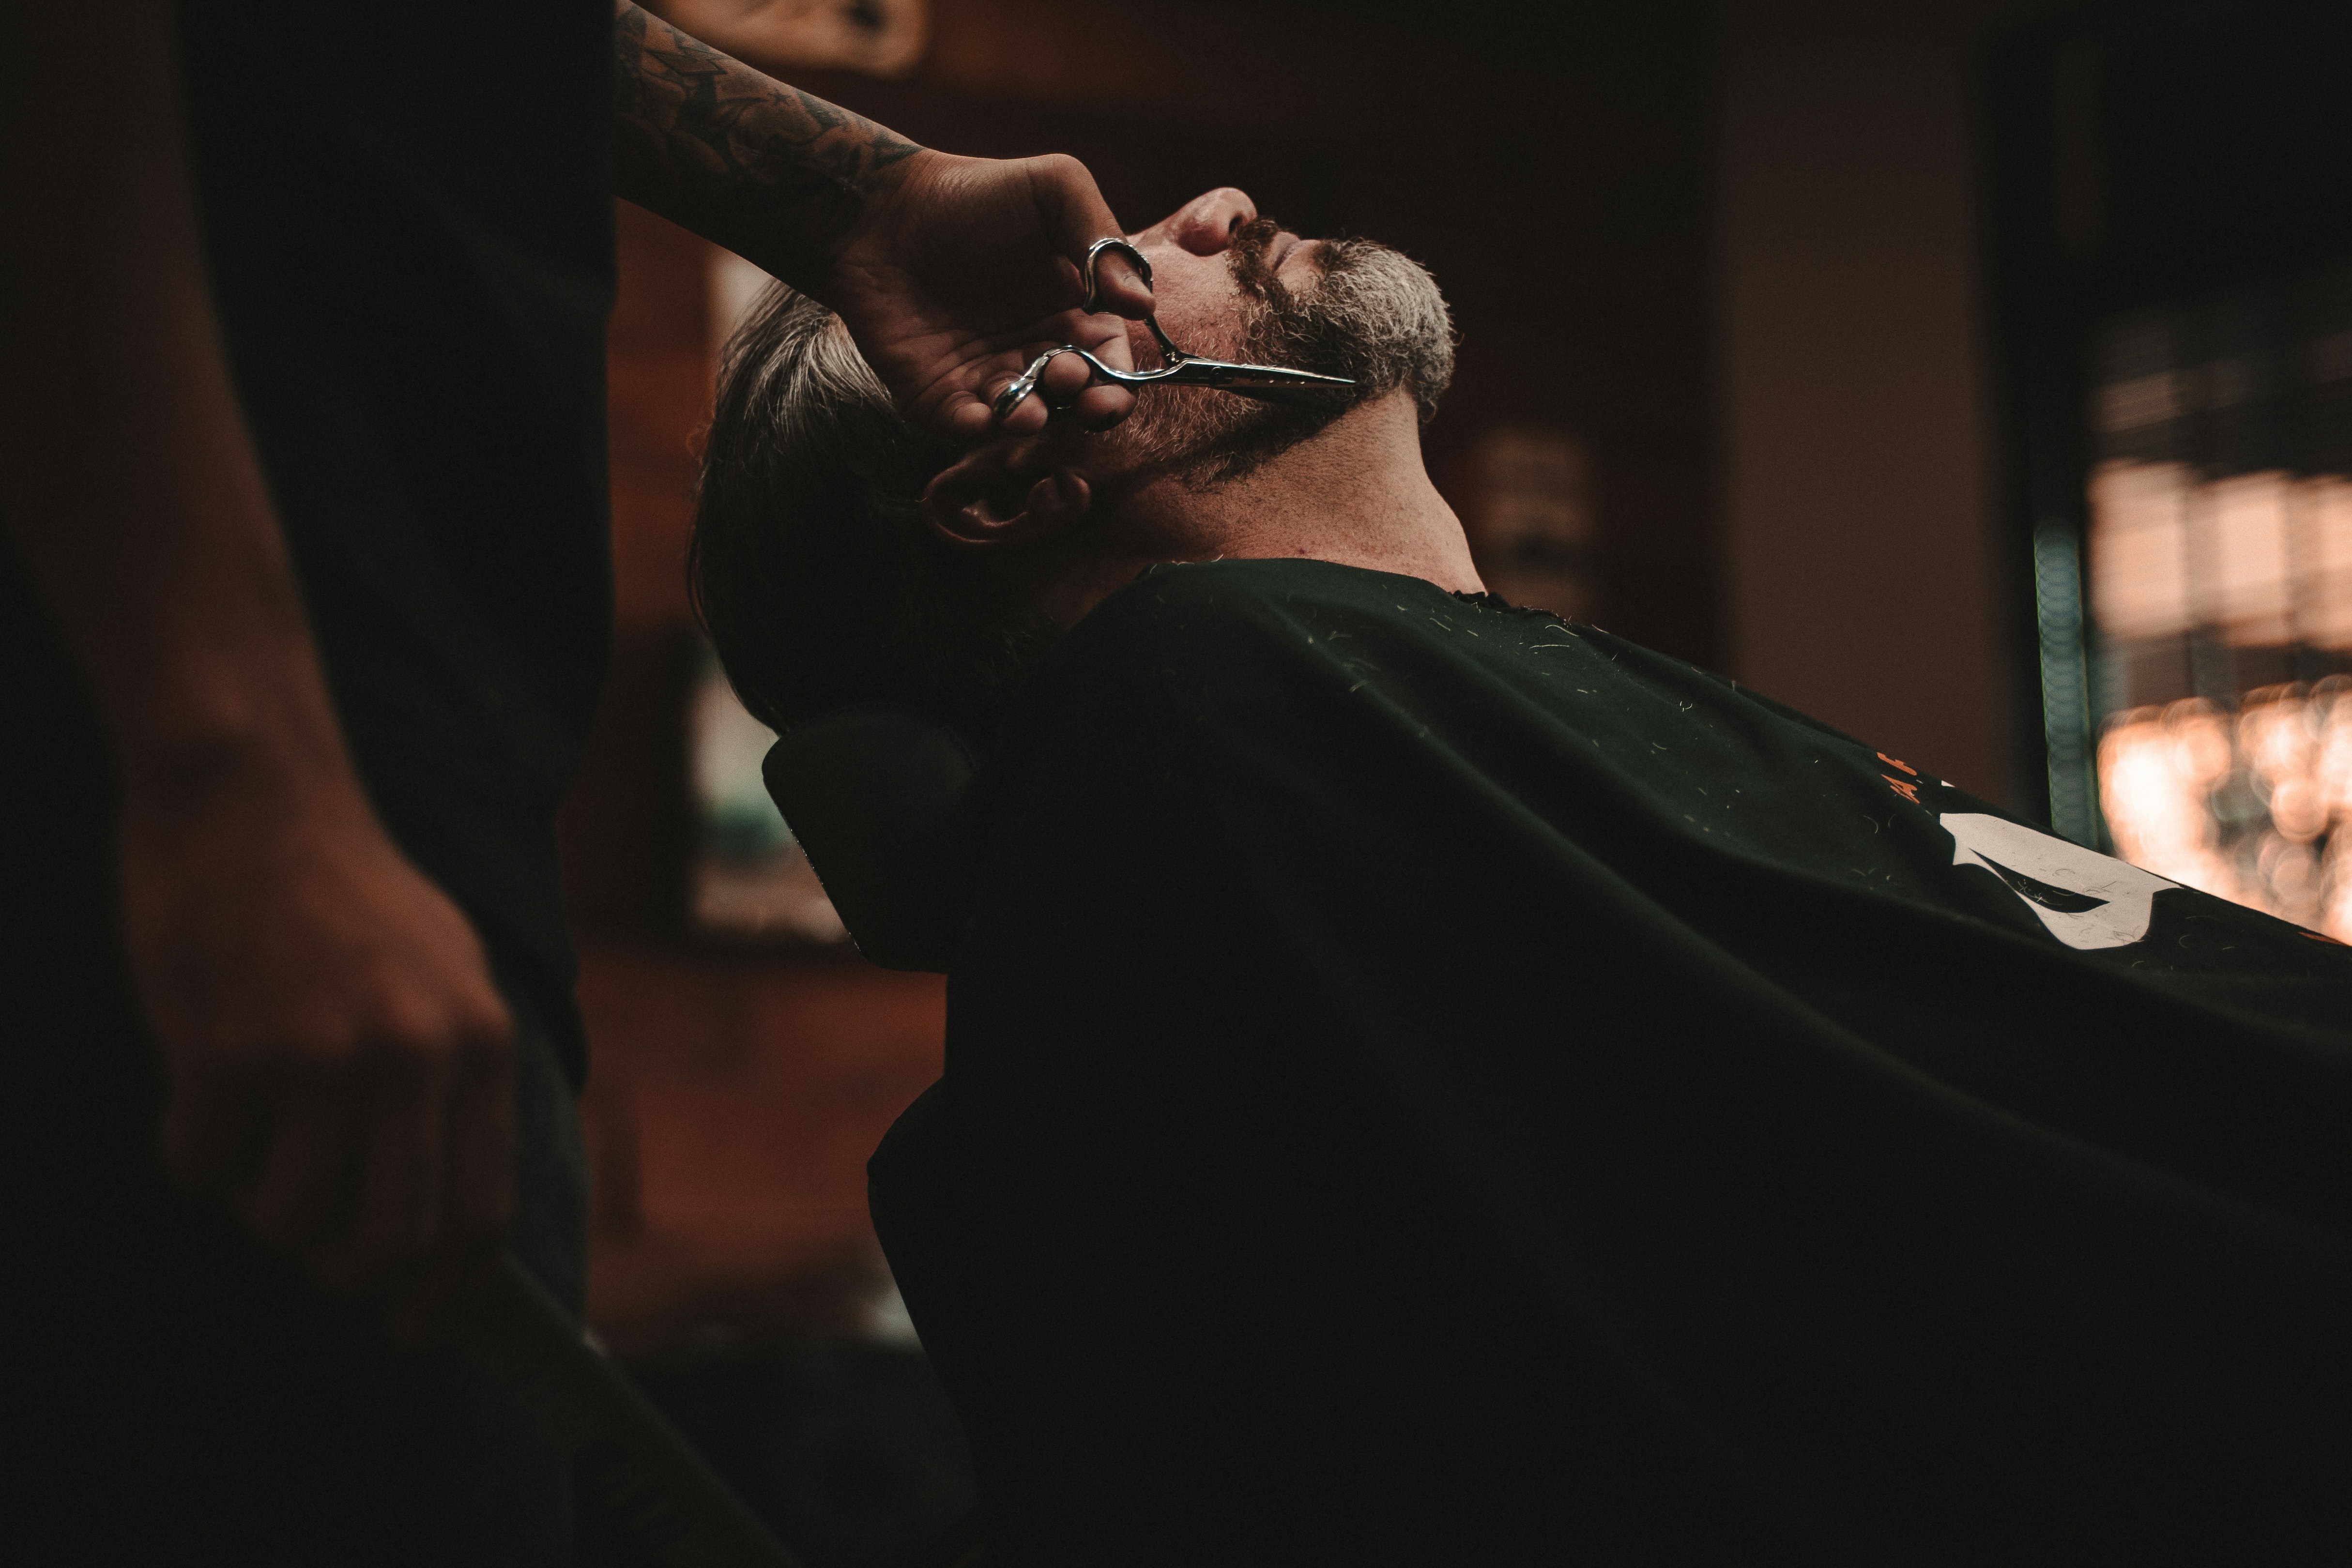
<point x="1377" y="685"/>
<point x="1807" y="1103"/>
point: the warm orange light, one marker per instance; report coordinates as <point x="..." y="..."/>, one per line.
<point x="2324" y="539"/>
<point x="2255" y="807"/>
<point x="2244" y="567"/>
<point x="2139" y="548"/>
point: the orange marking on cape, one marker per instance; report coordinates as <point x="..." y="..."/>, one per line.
<point x="1908" y="791"/>
<point x="1897" y="762"/>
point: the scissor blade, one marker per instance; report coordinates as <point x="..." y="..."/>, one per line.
<point x="1232" y="377"/>
<point x="1224" y="375"/>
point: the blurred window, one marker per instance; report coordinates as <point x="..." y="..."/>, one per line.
<point x="2220" y="585"/>
<point x="1530" y="519"/>
<point x="2170" y="290"/>
<point x="748" y="878"/>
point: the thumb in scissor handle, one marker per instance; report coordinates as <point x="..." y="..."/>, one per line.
<point x="1017" y="391"/>
<point x="1093" y="301"/>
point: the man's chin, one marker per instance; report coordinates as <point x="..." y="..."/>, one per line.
<point x="1210" y="439"/>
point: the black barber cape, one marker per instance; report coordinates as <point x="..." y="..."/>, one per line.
<point x="1428" y="1084"/>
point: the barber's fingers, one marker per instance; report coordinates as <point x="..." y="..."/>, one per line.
<point x="1066" y="392"/>
<point x="379" y="1168"/>
<point x="216" y="1132"/>
<point x="479" y="1197"/>
<point x="1063" y="378"/>
<point x="1101" y="406"/>
<point x="1120" y="288"/>
<point x="1076" y="216"/>
<point x="1026" y="417"/>
<point x="977" y="420"/>
<point x="1068" y="386"/>
<point x="1108" y="339"/>
<point x="399" y="1206"/>
<point x="310" y="1179"/>
<point x="971" y="415"/>
<point x="477" y="1194"/>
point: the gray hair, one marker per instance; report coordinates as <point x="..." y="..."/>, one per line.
<point x="811" y="567"/>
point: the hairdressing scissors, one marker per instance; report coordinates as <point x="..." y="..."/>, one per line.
<point x="1181" y="369"/>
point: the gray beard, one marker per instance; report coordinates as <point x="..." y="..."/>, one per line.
<point x="1373" y="314"/>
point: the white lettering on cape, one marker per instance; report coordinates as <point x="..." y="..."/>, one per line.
<point x="2099" y="901"/>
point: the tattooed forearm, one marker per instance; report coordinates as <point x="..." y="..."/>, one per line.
<point x="764" y="169"/>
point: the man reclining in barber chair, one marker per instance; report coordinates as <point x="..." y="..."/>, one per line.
<point x="1432" y="1082"/>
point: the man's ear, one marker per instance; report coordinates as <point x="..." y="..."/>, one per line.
<point x="1014" y="491"/>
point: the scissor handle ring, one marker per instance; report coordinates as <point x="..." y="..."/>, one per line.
<point x="1125" y="248"/>
<point x="1017" y="391"/>
<point x="1019" y="388"/>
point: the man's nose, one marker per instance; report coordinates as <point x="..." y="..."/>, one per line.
<point x="1205" y="224"/>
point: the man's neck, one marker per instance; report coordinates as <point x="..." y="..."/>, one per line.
<point x="1356" y="494"/>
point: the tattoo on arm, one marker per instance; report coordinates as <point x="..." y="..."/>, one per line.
<point x="762" y="168"/>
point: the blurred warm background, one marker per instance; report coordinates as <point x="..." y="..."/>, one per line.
<point x="1976" y="376"/>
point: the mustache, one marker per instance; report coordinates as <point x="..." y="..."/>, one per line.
<point x="1247" y="256"/>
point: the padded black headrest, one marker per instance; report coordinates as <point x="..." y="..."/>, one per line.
<point x="880" y="799"/>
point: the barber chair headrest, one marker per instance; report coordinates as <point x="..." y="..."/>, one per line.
<point x="880" y="799"/>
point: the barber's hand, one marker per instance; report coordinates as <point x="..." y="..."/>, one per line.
<point x="342" y="1066"/>
<point x="961" y="270"/>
